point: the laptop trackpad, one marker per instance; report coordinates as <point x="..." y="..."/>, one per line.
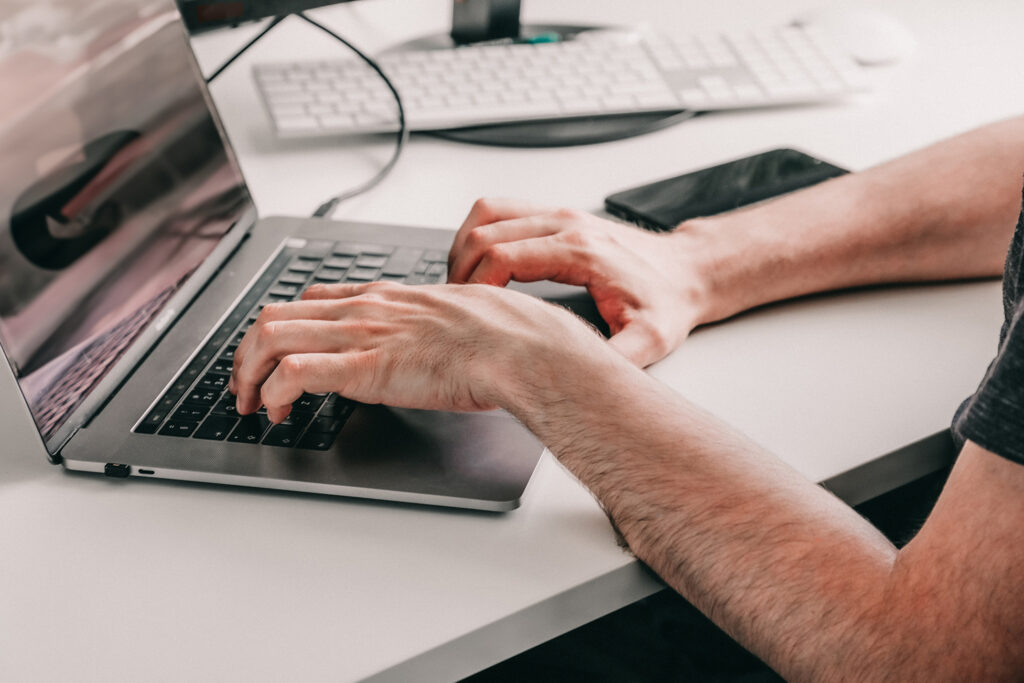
<point x="477" y="456"/>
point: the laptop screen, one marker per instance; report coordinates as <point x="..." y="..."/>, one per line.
<point x="115" y="185"/>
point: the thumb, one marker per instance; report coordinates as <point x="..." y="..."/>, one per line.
<point x="640" y="343"/>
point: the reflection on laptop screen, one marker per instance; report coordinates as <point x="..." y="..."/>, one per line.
<point x="114" y="186"/>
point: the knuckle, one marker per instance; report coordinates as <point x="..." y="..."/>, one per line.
<point x="271" y="312"/>
<point x="291" y="367"/>
<point x="569" y="215"/>
<point x="496" y="254"/>
<point x="267" y="332"/>
<point x="483" y="206"/>
<point x="579" y="238"/>
<point x="315" y="290"/>
<point x="476" y="237"/>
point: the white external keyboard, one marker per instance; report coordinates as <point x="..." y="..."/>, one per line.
<point x="601" y="73"/>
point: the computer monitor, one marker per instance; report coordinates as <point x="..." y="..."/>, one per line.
<point x="204" y="15"/>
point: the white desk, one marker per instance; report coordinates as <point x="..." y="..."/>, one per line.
<point x="102" y="580"/>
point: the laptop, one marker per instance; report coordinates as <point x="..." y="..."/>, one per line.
<point x="132" y="262"/>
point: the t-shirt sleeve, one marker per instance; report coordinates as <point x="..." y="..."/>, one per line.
<point x="994" y="417"/>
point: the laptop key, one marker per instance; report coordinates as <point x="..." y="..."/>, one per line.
<point x="286" y="291"/>
<point x="371" y="261"/>
<point x="282" y="435"/>
<point x="226" y="406"/>
<point x="402" y="261"/>
<point x="317" y="441"/>
<point x="308" y="403"/>
<point x="213" y="381"/>
<point x="250" y="429"/>
<point x="326" y="424"/>
<point x="339" y="262"/>
<point x="202" y="397"/>
<point x="338" y="407"/>
<point x="178" y="428"/>
<point x="188" y="413"/>
<point x="436" y="256"/>
<point x="151" y="422"/>
<point x="216" y="427"/>
<point x="363" y="274"/>
<point x="303" y="265"/>
<point x="221" y="366"/>
<point x="297" y="420"/>
<point x="294" y="278"/>
<point x="329" y="275"/>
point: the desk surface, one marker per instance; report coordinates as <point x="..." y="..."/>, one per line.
<point x="102" y="580"/>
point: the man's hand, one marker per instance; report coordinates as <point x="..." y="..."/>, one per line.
<point x="431" y="347"/>
<point x="646" y="286"/>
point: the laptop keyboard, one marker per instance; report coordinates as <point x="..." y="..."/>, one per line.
<point x="198" y="405"/>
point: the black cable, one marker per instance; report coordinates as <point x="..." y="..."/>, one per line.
<point x="331" y="204"/>
<point x="328" y="207"/>
<point x="232" y="58"/>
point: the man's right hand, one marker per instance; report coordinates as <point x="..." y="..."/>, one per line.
<point x="647" y="286"/>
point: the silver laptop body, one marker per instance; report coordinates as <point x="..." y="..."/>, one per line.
<point x="128" y="245"/>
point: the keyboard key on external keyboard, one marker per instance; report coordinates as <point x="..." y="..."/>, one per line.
<point x="297" y="124"/>
<point x="282" y="435"/>
<point x="250" y="429"/>
<point x="178" y="428"/>
<point x="216" y="427"/>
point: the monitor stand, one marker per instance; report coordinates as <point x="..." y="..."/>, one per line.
<point x="558" y="133"/>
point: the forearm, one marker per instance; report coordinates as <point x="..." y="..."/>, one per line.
<point x="776" y="561"/>
<point x="943" y="212"/>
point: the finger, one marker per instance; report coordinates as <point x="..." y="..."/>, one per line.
<point x="491" y="210"/>
<point x="343" y="290"/>
<point x="313" y="373"/>
<point x="541" y="258"/>
<point x="290" y="310"/>
<point x="275" y="340"/>
<point x="639" y="344"/>
<point x="463" y="259"/>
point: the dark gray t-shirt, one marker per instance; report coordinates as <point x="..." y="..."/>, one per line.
<point x="993" y="417"/>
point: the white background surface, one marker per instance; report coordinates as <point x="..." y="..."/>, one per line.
<point x="102" y="580"/>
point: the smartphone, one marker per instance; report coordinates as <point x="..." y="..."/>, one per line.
<point x="664" y="204"/>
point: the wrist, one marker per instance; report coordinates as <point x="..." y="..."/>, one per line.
<point x="712" y="250"/>
<point x="536" y="381"/>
